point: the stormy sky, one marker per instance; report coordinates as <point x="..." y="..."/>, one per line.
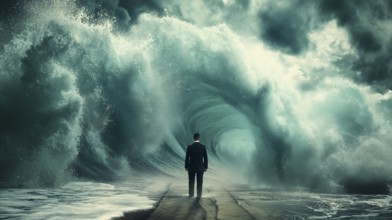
<point x="283" y="25"/>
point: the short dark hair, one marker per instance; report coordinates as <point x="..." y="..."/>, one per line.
<point x="196" y="136"/>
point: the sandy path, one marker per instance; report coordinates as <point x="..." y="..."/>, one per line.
<point x="215" y="204"/>
<point x="236" y="201"/>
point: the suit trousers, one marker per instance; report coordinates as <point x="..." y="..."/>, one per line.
<point x="191" y="177"/>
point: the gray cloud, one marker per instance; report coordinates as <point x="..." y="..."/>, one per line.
<point x="124" y="12"/>
<point x="364" y="23"/>
<point x="136" y="7"/>
<point x="285" y="26"/>
<point x="285" y="29"/>
<point x="9" y="7"/>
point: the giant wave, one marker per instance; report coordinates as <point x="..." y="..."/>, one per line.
<point x="80" y="97"/>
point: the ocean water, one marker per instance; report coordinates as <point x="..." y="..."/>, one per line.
<point x="97" y="200"/>
<point x="277" y="204"/>
<point x="79" y="200"/>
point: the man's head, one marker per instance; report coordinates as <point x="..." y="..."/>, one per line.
<point x="196" y="137"/>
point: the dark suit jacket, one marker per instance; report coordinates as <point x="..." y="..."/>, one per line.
<point x="196" y="159"/>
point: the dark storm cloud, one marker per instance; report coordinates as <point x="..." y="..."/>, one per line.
<point x="286" y="27"/>
<point x="125" y="12"/>
<point x="8" y="7"/>
<point x="282" y="30"/>
<point x="350" y="14"/>
<point x="363" y="21"/>
<point x="283" y="25"/>
<point x="136" y="7"/>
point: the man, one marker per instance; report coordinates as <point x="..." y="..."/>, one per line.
<point x="196" y="163"/>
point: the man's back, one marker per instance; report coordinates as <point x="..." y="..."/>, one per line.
<point x="196" y="158"/>
<point x="196" y="163"/>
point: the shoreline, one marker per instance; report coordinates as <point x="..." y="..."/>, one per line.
<point x="137" y="214"/>
<point x="239" y="202"/>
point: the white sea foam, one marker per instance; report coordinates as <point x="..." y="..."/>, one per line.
<point x="76" y="200"/>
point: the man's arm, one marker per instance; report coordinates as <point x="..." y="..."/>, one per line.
<point x="187" y="158"/>
<point x="205" y="158"/>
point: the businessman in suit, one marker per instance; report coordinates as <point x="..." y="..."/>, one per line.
<point x="196" y="163"/>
